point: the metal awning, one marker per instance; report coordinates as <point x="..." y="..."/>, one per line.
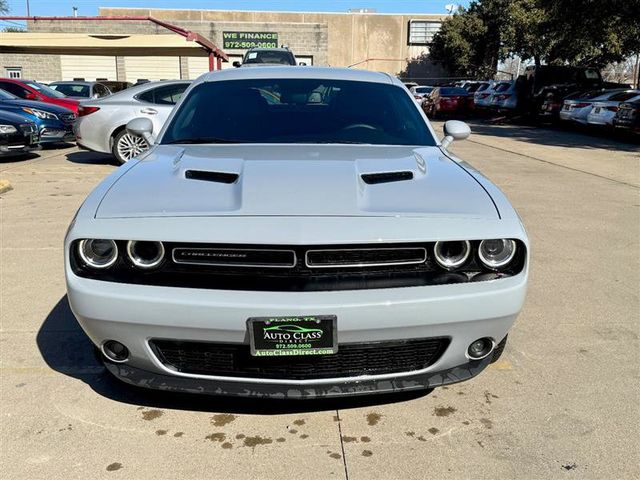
<point x="98" y="44"/>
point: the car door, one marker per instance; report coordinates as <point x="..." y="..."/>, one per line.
<point x="157" y="102"/>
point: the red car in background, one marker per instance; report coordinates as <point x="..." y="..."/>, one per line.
<point x="30" y="90"/>
<point x="447" y="101"/>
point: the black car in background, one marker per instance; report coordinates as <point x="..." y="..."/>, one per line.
<point x="256" y="57"/>
<point x="534" y="85"/>
<point x="115" y="86"/>
<point x="628" y="117"/>
<point x="553" y="98"/>
<point x="17" y="134"/>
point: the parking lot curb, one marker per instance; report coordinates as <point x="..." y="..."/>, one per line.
<point x="5" y="186"/>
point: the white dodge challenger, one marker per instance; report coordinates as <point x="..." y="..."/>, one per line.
<point x="296" y="232"/>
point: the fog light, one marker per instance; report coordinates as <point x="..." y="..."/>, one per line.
<point x="145" y="254"/>
<point x="480" y="348"/>
<point x="115" y="351"/>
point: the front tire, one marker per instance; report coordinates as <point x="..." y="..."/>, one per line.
<point x="127" y="146"/>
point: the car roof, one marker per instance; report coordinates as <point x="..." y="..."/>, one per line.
<point x="285" y="72"/>
<point x="265" y="49"/>
<point x="73" y="82"/>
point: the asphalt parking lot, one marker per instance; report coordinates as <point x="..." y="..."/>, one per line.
<point x="563" y="401"/>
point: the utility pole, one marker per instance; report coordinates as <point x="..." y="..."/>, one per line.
<point x="28" y="12"/>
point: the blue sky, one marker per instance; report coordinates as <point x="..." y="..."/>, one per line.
<point x="90" y="7"/>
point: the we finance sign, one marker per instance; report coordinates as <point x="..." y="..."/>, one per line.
<point x="245" y="40"/>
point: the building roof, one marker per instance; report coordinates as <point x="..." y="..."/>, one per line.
<point x="98" y="44"/>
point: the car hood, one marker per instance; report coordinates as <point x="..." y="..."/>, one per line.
<point x="287" y="180"/>
<point x="7" y="116"/>
<point x="47" y="107"/>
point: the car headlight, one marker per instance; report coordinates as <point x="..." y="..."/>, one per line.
<point x="145" y="254"/>
<point x="98" y="253"/>
<point x="496" y="253"/>
<point x="41" y="113"/>
<point x="451" y="255"/>
<point x="6" y="129"/>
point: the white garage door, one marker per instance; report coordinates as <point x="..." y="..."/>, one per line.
<point x="152" y="68"/>
<point x="200" y="65"/>
<point x="88" y="67"/>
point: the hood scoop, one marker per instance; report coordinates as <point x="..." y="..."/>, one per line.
<point x="207" y="176"/>
<point x="386" y="177"/>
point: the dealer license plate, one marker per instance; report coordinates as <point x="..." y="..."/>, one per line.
<point x="293" y="336"/>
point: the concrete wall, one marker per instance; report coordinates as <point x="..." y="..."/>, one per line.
<point x="351" y="37"/>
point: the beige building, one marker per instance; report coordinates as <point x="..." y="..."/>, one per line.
<point x="374" y="41"/>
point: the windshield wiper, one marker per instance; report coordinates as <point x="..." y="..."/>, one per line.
<point x="203" y="140"/>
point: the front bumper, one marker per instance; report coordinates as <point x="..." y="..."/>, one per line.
<point x="335" y="388"/>
<point x="136" y="314"/>
<point x="56" y="134"/>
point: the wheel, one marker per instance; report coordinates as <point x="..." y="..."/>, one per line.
<point x="127" y="146"/>
<point x="497" y="352"/>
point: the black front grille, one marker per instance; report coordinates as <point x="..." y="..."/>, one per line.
<point x="29" y="128"/>
<point x="365" y="257"/>
<point x="352" y="359"/>
<point x="68" y="117"/>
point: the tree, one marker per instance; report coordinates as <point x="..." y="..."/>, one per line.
<point x="561" y="32"/>
<point x="462" y="46"/>
<point x="4" y="7"/>
<point x="526" y="31"/>
<point x="601" y="32"/>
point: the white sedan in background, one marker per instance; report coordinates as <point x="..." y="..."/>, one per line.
<point x="101" y="122"/>
<point x="602" y="112"/>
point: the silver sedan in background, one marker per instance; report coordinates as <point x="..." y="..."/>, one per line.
<point x="101" y="123"/>
<point x="81" y="90"/>
<point x="602" y="112"/>
<point x="577" y="109"/>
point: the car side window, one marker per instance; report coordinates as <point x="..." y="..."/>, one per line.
<point x="164" y="95"/>
<point x="14" y="88"/>
<point x="100" y="90"/>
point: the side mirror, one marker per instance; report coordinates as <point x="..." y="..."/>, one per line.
<point x="142" y="127"/>
<point x="236" y="64"/>
<point x="31" y="96"/>
<point x="455" y="130"/>
<point x="95" y="95"/>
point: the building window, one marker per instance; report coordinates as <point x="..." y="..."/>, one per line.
<point x="13" y="72"/>
<point x="421" y="32"/>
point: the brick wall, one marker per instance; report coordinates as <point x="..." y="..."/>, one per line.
<point x="44" y="68"/>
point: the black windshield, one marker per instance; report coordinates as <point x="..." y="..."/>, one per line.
<point x="4" y="95"/>
<point x="73" y="89"/>
<point x="298" y="111"/>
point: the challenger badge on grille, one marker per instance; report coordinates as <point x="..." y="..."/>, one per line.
<point x="232" y="257"/>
